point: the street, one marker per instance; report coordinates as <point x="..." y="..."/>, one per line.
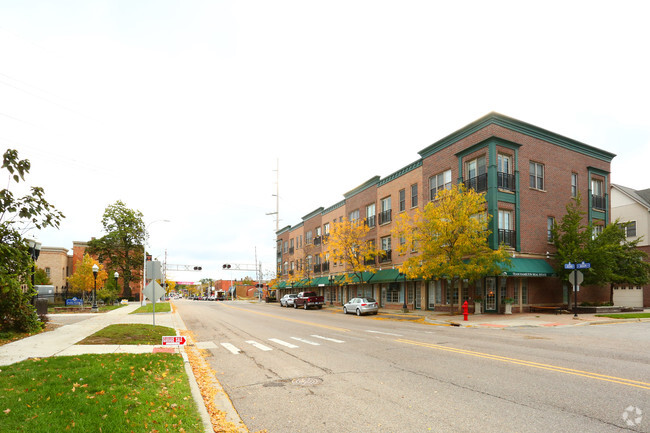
<point x="289" y="370"/>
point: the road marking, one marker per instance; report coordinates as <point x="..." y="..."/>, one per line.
<point x="206" y="345"/>
<point x="302" y="322"/>
<point x="306" y="341"/>
<point x="284" y="343"/>
<point x="259" y="345"/>
<point x="232" y="349"/>
<point x="555" y="368"/>
<point x="384" y="333"/>
<point x="328" y="339"/>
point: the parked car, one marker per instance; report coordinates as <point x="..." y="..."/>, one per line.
<point x="361" y="306"/>
<point x="308" y="299"/>
<point x="287" y="300"/>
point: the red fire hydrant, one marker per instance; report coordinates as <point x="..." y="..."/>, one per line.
<point x="465" y="313"/>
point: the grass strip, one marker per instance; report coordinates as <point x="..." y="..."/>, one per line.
<point x="129" y="333"/>
<point x="625" y="315"/>
<point x="99" y="393"/>
<point x="161" y="307"/>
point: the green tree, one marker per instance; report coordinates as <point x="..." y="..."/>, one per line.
<point x="451" y="237"/>
<point x="83" y="278"/>
<point x="571" y="237"/>
<point x="41" y="278"/>
<point x="18" y="215"/>
<point x="122" y="245"/>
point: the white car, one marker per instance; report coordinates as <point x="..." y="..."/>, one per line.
<point x="287" y="300"/>
<point x="361" y="306"/>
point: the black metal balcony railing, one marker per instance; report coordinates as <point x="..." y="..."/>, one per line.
<point x="508" y="237"/>
<point x="478" y="183"/>
<point x="370" y="221"/>
<point x="317" y="240"/>
<point x="598" y="202"/>
<point x="325" y="266"/>
<point x="386" y="257"/>
<point x="370" y="261"/>
<point x="317" y="268"/>
<point x="506" y="181"/>
<point x="279" y="253"/>
<point x="290" y="250"/>
<point x="385" y="216"/>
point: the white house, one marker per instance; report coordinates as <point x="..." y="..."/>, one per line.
<point x="629" y="205"/>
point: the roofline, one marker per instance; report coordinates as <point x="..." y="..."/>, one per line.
<point x="621" y="188"/>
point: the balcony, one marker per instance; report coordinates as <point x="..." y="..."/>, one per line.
<point x="317" y="268"/>
<point x="508" y="237"/>
<point x="599" y="202"/>
<point x="506" y="181"/>
<point x="325" y="266"/>
<point x="370" y="261"/>
<point x="478" y="183"/>
<point x="317" y="240"/>
<point x="385" y="216"/>
<point x="291" y="250"/>
<point x="370" y="221"/>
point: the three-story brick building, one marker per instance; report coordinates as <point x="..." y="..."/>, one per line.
<point x="528" y="175"/>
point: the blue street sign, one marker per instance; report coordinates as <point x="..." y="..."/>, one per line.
<point x="569" y="266"/>
<point x="583" y="265"/>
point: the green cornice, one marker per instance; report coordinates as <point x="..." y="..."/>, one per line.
<point x="334" y="207"/>
<point x="518" y="126"/>
<point x="282" y="230"/>
<point x="297" y="226"/>
<point x="312" y="214"/>
<point x="400" y="172"/>
<point x="367" y="184"/>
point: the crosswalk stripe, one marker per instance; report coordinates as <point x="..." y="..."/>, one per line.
<point x="258" y="345"/>
<point x="328" y="339"/>
<point x="284" y="343"/>
<point x="232" y="349"/>
<point x="313" y="343"/>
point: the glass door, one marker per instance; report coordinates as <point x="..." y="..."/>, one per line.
<point x="418" y="296"/>
<point x="490" y="295"/>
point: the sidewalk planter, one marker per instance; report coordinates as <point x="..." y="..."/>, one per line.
<point x="478" y="306"/>
<point x="508" y="304"/>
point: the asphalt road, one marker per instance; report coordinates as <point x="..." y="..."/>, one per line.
<point x="289" y="370"/>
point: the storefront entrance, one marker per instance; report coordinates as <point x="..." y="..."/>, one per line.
<point x="491" y="305"/>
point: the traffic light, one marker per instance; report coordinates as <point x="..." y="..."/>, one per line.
<point x="197" y="268"/>
<point x="226" y="266"/>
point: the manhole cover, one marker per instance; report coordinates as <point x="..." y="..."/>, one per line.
<point x="307" y="381"/>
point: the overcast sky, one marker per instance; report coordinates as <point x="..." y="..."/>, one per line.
<point x="182" y="109"/>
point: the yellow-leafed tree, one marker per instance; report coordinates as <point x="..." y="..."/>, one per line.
<point x="348" y="243"/>
<point x="83" y="278"/>
<point x="451" y="238"/>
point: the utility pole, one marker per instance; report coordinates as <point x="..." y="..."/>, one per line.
<point x="277" y="196"/>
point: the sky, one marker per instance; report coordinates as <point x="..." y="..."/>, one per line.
<point x="199" y="112"/>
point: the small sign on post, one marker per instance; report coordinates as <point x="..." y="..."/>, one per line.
<point x="173" y="340"/>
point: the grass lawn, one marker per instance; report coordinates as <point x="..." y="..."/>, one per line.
<point x="626" y="315"/>
<point x="98" y="393"/>
<point x="129" y="333"/>
<point x="161" y="307"/>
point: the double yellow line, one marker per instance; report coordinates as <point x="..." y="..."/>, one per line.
<point x="555" y="368"/>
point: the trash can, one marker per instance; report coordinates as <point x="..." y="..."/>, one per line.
<point x="41" y="306"/>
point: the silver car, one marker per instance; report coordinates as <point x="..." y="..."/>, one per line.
<point x="287" y="300"/>
<point x="361" y="306"/>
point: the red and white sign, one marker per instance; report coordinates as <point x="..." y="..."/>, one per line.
<point x="173" y="340"/>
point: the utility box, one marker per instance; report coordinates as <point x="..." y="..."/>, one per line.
<point x="45" y="292"/>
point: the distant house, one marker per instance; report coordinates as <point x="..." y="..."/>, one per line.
<point x="633" y="206"/>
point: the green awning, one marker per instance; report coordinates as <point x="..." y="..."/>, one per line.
<point x="386" y="276"/>
<point x="365" y="277"/>
<point x="280" y="285"/>
<point x="529" y="268"/>
<point x="320" y="282"/>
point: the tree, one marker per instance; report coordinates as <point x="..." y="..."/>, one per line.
<point x="122" y="245"/>
<point x="348" y="243"/>
<point x="41" y="278"/>
<point x="19" y="215"/>
<point x="83" y="278"/>
<point x="451" y="237"/>
<point x="571" y="237"/>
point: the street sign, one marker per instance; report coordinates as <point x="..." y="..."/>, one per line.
<point x="153" y="291"/>
<point x="569" y="266"/>
<point x="576" y="278"/>
<point x="583" y="265"/>
<point x="173" y="340"/>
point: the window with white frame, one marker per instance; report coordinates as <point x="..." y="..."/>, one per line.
<point x="504" y="163"/>
<point x="550" y="223"/>
<point x="326" y="229"/>
<point x="386" y="210"/>
<point x="370" y="215"/>
<point x="402" y="200"/>
<point x="439" y="182"/>
<point x="414" y="195"/>
<point x="536" y="175"/>
<point x="308" y="238"/>
<point x="354" y="216"/>
<point x="574" y="184"/>
<point x="386" y="243"/>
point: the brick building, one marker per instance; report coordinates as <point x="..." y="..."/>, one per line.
<point x="528" y="175"/>
<point x="57" y="265"/>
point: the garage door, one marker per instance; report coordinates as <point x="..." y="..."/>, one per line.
<point x="628" y="296"/>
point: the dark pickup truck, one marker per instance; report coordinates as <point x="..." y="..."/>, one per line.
<point x="308" y="299"/>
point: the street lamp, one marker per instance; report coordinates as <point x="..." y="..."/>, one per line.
<point x="116" y="276"/>
<point x="331" y="279"/>
<point x="144" y="259"/>
<point x="95" y="271"/>
<point x="34" y="252"/>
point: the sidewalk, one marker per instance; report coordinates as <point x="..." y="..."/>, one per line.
<point x="62" y="342"/>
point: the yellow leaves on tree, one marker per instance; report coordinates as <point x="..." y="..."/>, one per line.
<point x="83" y="278"/>
<point x="348" y="243"/>
<point x="451" y="238"/>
